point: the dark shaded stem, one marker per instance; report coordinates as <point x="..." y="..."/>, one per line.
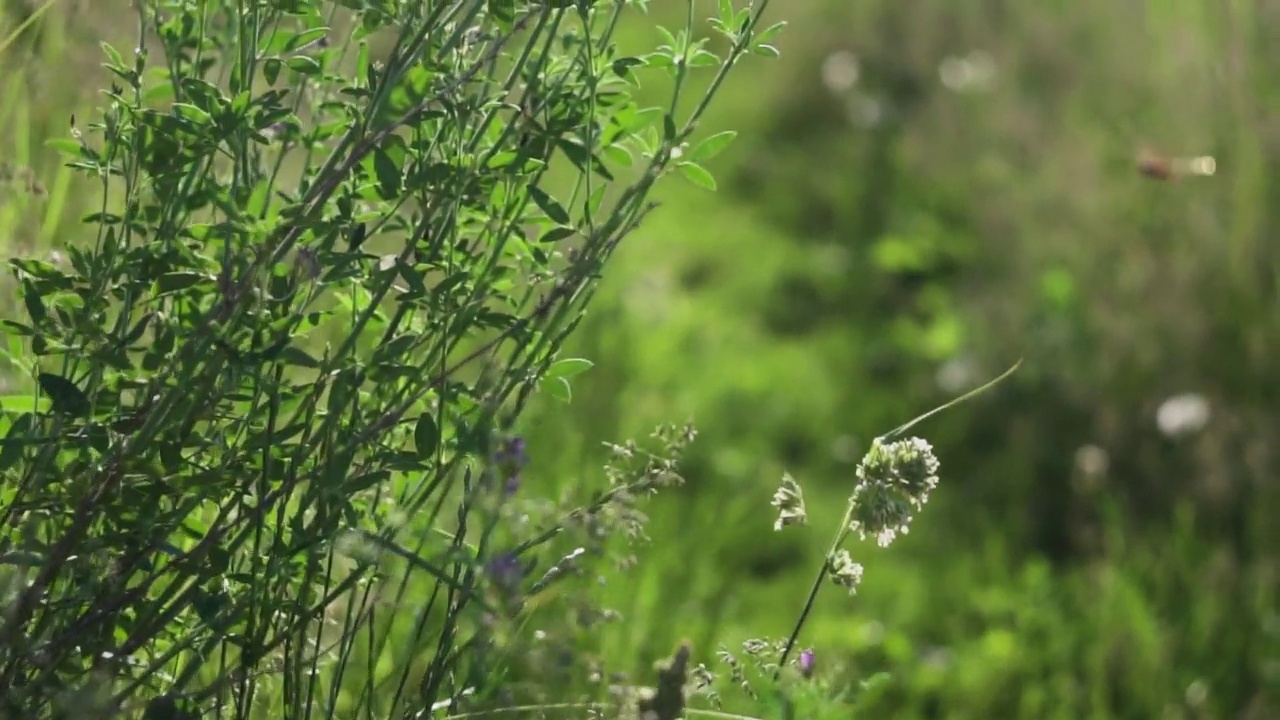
<point x="813" y="592"/>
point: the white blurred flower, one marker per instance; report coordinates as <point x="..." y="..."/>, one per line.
<point x="840" y="71"/>
<point x="866" y="111"/>
<point x="1092" y="460"/>
<point x="956" y="374"/>
<point x="973" y="72"/>
<point x="1182" y="414"/>
<point x="845" y="449"/>
<point x="936" y="658"/>
<point x="1197" y="693"/>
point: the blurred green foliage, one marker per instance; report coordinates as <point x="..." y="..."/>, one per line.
<point x="920" y="194"/>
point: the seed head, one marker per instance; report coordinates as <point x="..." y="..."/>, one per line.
<point x="789" y="500"/>
<point x="844" y="571"/>
<point x="894" y="479"/>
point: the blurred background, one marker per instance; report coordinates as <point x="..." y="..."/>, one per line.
<point x="922" y="193"/>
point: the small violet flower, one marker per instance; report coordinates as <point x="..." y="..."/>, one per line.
<point x="510" y="459"/>
<point x="505" y="571"/>
<point x="806" y="662"/>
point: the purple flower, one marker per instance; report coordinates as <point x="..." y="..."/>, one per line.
<point x="505" y="570"/>
<point x="806" y="662"/>
<point x="510" y="460"/>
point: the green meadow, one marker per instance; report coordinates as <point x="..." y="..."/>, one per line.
<point x="919" y="196"/>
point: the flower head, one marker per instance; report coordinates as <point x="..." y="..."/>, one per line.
<point x="894" y="479"/>
<point x="844" y="571"/>
<point x="916" y="468"/>
<point x="789" y="500"/>
<point x="1183" y="415"/>
<point x="510" y="459"/>
<point x="505" y="571"/>
<point x="806" y="662"/>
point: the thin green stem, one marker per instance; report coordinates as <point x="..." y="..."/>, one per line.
<point x="843" y="532"/>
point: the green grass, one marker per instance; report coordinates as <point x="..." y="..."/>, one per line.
<point x="806" y="307"/>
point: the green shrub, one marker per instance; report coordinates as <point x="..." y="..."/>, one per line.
<point x="268" y="461"/>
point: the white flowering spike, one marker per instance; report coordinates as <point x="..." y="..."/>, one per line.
<point x="844" y="571"/>
<point x="789" y="500"/>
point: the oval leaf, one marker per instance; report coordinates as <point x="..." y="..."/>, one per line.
<point x="426" y="436"/>
<point x="569" y="367"/>
<point x="66" y="397"/>
<point x="548" y="205"/>
<point x="558" y="388"/>
<point x="712" y="146"/>
<point x="697" y="175"/>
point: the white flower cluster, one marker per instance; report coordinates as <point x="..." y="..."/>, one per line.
<point x="894" y="479"/>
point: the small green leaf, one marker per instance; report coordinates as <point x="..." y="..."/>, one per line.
<point x="35" y="304"/>
<point x="558" y="388"/>
<point x="770" y="32"/>
<point x="548" y="205"/>
<point x="622" y="66"/>
<point x="618" y="155"/>
<point x="304" y="38"/>
<point x="595" y="201"/>
<point x="271" y="69"/>
<point x="661" y="60"/>
<point x="582" y="159"/>
<point x="292" y="355"/>
<point x="365" y="481"/>
<point x="502" y="159"/>
<point x="140" y="327"/>
<point x="159" y="94"/>
<point x="697" y="175"/>
<point x="66" y="397"/>
<point x="504" y="11"/>
<point x="355" y="237"/>
<point x="303" y="65"/>
<point x="726" y="11"/>
<point x="66" y="146"/>
<point x="114" y="56"/>
<point x="14" y="440"/>
<point x="711" y="146"/>
<point x="569" y="367"/>
<point x="181" y="280"/>
<point x="23" y="558"/>
<point x="426" y="436"/>
<point x="388" y="172"/>
<point x="704" y="58"/>
<point x="191" y="112"/>
<point x="165" y="707"/>
<point x="556" y="234"/>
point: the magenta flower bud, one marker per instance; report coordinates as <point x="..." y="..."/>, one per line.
<point x="806" y="662"/>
